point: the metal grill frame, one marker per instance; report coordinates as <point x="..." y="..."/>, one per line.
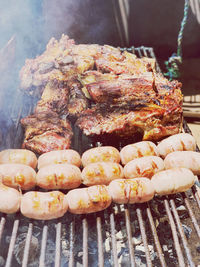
<point x="183" y="250"/>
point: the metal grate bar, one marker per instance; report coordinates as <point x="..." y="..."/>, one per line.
<point x="175" y="235"/>
<point x="71" y="255"/>
<point x="144" y="236"/>
<point x="12" y="243"/>
<point x="138" y="51"/>
<point x="43" y="246"/>
<point x="185" y="244"/>
<point x="100" y="243"/>
<point x="2" y="224"/>
<point x="113" y="240"/>
<point x="195" y="192"/>
<point x="129" y="232"/>
<point x="196" y="226"/>
<point x="58" y="241"/>
<point x="155" y="236"/>
<point x="85" y="242"/>
<point x="27" y="245"/>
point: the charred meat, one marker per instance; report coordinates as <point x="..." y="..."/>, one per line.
<point x="45" y="131"/>
<point x="105" y="90"/>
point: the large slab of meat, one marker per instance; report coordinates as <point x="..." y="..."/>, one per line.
<point x="106" y="91"/>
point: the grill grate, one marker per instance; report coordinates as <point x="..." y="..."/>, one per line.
<point x="163" y="232"/>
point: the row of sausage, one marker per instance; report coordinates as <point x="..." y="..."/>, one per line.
<point x="178" y="142"/>
<point x="54" y="204"/>
<point x="67" y="176"/>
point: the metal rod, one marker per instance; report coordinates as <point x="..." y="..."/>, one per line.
<point x="71" y="245"/>
<point x="58" y="240"/>
<point x="175" y="235"/>
<point x="43" y="246"/>
<point x="194" y="191"/>
<point x="113" y="240"/>
<point x="27" y="245"/>
<point x="129" y="233"/>
<point x="100" y="243"/>
<point x="144" y="237"/>
<point x="185" y="244"/>
<point x="194" y="220"/>
<point x="156" y="240"/>
<point x="12" y="243"/>
<point x="2" y="224"/>
<point x="85" y="243"/>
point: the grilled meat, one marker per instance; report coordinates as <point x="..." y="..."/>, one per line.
<point x="152" y="122"/>
<point x="108" y="92"/>
<point x="47" y="142"/>
<point x="45" y="131"/>
<point x="54" y="97"/>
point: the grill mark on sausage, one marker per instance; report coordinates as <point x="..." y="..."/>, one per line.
<point x="56" y="179"/>
<point x="183" y="145"/>
<point x="151" y="149"/>
<point x="154" y="165"/>
<point x="139" y="153"/>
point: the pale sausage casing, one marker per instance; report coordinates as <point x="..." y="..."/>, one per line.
<point x="143" y="167"/>
<point x="18" y="176"/>
<point x="9" y="199"/>
<point x="103" y="153"/>
<point x="137" y="190"/>
<point x="101" y="173"/>
<point x="173" y="181"/>
<point x="87" y="200"/>
<point x="69" y="156"/>
<point x="59" y="176"/>
<point x="43" y="205"/>
<point x="177" y="142"/>
<point x="138" y="150"/>
<point x="22" y="156"/>
<point x="184" y="159"/>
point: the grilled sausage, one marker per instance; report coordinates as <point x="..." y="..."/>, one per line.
<point x="22" y="156"/>
<point x="137" y="190"/>
<point x="101" y="173"/>
<point x="58" y="157"/>
<point x="87" y="200"/>
<point x="177" y="142"/>
<point x="138" y="150"/>
<point x="184" y="159"/>
<point x="104" y="153"/>
<point x="59" y="176"/>
<point x="17" y="176"/>
<point x="9" y="199"/>
<point x="143" y="167"/>
<point x="173" y="181"/>
<point x="43" y="205"/>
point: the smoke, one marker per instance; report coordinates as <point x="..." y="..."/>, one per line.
<point x="30" y="24"/>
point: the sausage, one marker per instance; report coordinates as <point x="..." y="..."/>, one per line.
<point x="101" y="173"/>
<point x="58" y="157"/>
<point x="173" y="181"/>
<point x="59" y="176"/>
<point x="43" y="205"/>
<point x="184" y="159"/>
<point x="22" y="156"/>
<point x="87" y="200"/>
<point x="137" y="190"/>
<point x="9" y="199"/>
<point x="138" y="150"/>
<point x="177" y="142"/>
<point x="143" y="167"/>
<point x="18" y="176"/>
<point x="104" y="153"/>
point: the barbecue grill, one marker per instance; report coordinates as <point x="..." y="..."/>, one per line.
<point x="162" y="232"/>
